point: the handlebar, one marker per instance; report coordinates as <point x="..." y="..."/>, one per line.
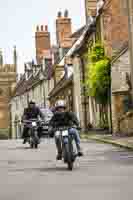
<point x="65" y="127"/>
<point x="32" y="120"/>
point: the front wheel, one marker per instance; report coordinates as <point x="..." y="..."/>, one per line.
<point x="68" y="156"/>
<point x="31" y="145"/>
<point x="36" y="145"/>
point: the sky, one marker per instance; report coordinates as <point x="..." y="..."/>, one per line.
<point x="18" y="20"/>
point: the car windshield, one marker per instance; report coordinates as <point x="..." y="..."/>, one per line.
<point x="47" y="113"/>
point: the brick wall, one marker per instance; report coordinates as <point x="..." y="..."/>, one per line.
<point x="115" y="25"/>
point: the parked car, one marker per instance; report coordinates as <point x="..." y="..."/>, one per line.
<point x="45" y="124"/>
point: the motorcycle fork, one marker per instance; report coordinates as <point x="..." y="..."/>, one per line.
<point x="67" y="140"/>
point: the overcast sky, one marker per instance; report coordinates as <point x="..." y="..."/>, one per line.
<point x="18" y="20"/>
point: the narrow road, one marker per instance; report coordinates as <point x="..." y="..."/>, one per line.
<point x="104" y="173"/>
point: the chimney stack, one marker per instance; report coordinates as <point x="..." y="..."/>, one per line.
<point x="63" y="30"/>
<point x="42" y="43"/>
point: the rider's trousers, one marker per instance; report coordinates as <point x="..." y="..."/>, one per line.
<point x="75" y="133"/>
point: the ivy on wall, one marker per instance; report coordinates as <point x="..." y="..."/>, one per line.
<point x="98" y="74"/>
<point x="98" y="79"/>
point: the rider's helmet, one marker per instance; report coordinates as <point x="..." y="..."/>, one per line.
<point x="32" y="103"/>
<point x="60" y="104"/>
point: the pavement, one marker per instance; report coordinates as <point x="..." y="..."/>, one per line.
<point x="104" y="173"/>
<point x="124" y="142"/>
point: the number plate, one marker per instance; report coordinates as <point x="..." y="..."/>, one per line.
<point x="45" y="127"/>
<point x="65" y="133"/>
<point x="57" y="133"/>
<point x="34" y="124"/>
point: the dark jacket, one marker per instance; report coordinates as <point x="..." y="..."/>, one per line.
<point x="33" y="113"/>
<point x="64" y="119"/>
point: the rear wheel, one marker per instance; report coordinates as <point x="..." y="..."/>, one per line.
<point x="35" y="139"/>
<point x="32" y="145"/>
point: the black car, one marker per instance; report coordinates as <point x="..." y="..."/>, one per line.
<point x="45" y="124"/>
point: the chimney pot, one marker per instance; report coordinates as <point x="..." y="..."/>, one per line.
<point x="59" y="14"/>
<point x="37" y="28"/>
<point x="46" y="28"/>
<point x="41" y="27"/>
<point x="66" y="13"/>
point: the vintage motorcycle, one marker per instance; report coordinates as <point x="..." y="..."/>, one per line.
<point x="69" y="153"/>
<point x="33" y="125"/>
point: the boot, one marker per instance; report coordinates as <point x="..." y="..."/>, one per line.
<point x="59" y="149"/>
<point x="59" y="156"/>
<point x="80" y="153"/>
<point x="25" y="140"/>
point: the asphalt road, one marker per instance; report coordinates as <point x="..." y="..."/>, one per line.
<point x="105" y="172"/>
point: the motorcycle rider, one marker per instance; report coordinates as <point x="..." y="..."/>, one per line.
<point x="65" y="118"/>
<point x="31" y="112"/>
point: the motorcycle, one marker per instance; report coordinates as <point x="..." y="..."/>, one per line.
<point x="33" y="139"/>
<point x="68" y="152"/>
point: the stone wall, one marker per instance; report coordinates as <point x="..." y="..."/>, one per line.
<point x="117" y="110"/>
<point x="120" y="66"/>
<point x="126" y="123"/>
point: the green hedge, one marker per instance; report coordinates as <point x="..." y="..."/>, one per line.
<point x="4" y="134"/>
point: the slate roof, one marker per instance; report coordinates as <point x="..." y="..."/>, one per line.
<point x="77" y="33"/>
<point x="61" y="85"/>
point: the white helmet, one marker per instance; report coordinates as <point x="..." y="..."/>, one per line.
<point x="60" y="104"/>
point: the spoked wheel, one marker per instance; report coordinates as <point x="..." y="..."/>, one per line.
<point x="36" y="145"/>
<point x="68" y="156"/>
<point x="70" y="166"/>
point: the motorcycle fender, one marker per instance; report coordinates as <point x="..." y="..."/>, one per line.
<point x="65" y="140"/>
<point x="57" y="134"/>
